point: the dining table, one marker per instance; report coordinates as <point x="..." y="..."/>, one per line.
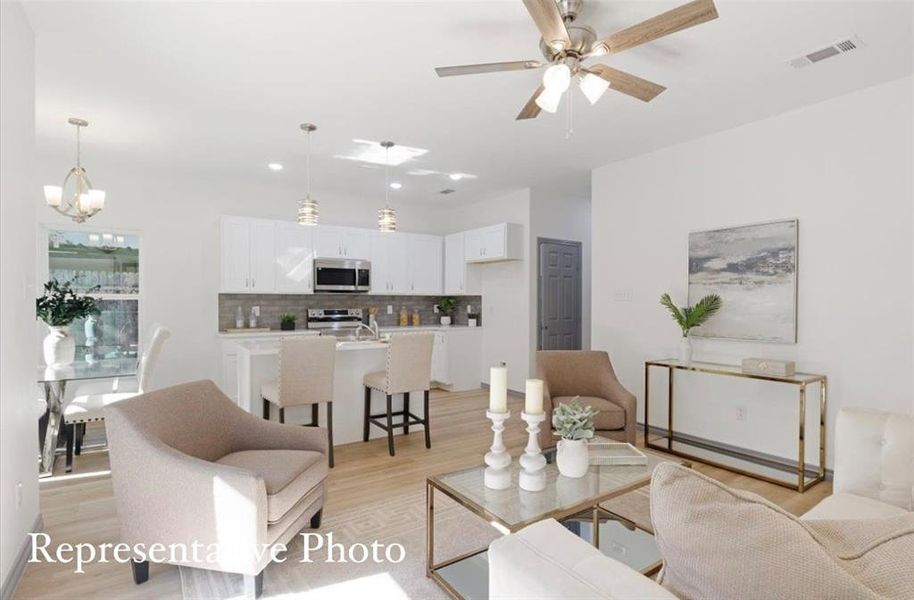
<point x="55" y="379"/>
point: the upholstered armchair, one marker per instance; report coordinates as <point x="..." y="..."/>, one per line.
<point x="192" y="468"/>
<point x="588" y="374"/>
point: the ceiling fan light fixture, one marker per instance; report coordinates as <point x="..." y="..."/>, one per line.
<point x="557" y="77"/>
<point x="557" y="45"/>
<point x="549" y="99"/>
<point x="593" y="87"/>
<point x="599" y="49"/>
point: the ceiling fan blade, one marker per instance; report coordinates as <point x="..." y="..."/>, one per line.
<point x="683" y="17"/>
<point x="517" y="65"/>
<point x="642" y="89"/>
<point x="531" y="110"/>
<point x="548" y="19"/>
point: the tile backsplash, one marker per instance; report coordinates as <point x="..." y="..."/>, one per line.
<point x="273" y="305"/>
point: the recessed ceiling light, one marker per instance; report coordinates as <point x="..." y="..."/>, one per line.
<point x="274" y="167"/>
<point x="396" y="185"/>
<point x="372" y="152"/>
<point x="456" y="176"/>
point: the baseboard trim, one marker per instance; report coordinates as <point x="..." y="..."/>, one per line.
<point x="8" y="588"/>
<point x="734" y="451"/>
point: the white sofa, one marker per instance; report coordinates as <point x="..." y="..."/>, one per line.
<point x="873" y="478"/>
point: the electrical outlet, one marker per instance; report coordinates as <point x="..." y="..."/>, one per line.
<point x="435" y="307"/>
<point x="469" y="309"/>
<point x="256" y="310"/>
<point x="390" y="309"/>
<point x="740" y="413"/>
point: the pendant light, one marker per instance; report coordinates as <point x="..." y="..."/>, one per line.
<point x="308" y="210"/>
<point x="387" y="217"/>
<point x="85" y="201"/>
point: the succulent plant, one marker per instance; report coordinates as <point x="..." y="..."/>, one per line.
<point x="572" y="421"/>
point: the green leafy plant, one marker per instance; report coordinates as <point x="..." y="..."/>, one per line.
<point x="447" y="305"/>
<point x="287" y="318"/>
<point x="689" y="317"/>
<point x="572" y="421"/>
<point x="60" y="305"/>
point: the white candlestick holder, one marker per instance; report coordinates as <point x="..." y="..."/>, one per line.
<point x="498" y="473"/>
<point x="532" y="478"/>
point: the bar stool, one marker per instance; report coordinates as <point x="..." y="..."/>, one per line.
<point x="305" y="377"/>
<point x="409" y="369"/>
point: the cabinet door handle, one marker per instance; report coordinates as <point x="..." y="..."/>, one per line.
<point x="253" y="283"/>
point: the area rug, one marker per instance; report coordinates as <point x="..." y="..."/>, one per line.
<point x="399" y="519"/>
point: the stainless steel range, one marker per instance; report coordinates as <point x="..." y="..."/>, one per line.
<point x="335" y="321"/>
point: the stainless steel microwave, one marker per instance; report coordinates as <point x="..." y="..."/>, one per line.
<point x="342" y="275"/>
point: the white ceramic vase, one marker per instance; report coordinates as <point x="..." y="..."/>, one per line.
<point x="59" y="347"/>
<point x="445" y="320"/>
<point x="685" y="350"/>
<point x="572" y="458"/>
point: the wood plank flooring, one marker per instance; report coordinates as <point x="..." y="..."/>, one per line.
<point x="79" y="507"/>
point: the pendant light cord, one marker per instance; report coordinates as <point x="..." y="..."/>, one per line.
<point x="78" y="166"/>
<point x="308" y="165"/>
<point x="387" y="177"/>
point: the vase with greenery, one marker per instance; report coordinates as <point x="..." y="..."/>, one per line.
<point x="58" y="308"/>
<point x="287" y="322"/>
<point x="689" y="317"/>
<point x="447" y="306"/>
<point x="574" y="424"/>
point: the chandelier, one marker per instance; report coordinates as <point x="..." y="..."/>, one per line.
<point x="308" y="209"/>
<point x="85" y="201"/>
<point x="387" y="217"/>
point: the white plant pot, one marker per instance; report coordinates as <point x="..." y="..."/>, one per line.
<point x="685" y="350"/>
<point x="572" y="458"/>
<point x="59" y="347"/>
<point x="445" y="320"/>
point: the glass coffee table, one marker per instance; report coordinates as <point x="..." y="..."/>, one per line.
<point x="573" y="502"/>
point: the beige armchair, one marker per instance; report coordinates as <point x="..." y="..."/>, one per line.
<point x="590" y="375"/>
<point x="192" y="468"/>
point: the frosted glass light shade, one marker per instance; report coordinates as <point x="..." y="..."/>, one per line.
<point x="387" y="220"/>
<point x="53" y="194"/>
<point x="308" y="211"/>
<point x="96" y="199"/>
<point x="593" y="87"/>
<point x="557" y="77"/>
<point x="549" y="99"/>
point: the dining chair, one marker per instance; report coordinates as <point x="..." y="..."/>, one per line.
<point x="91" y="407"/>
<point x="409" y="369"/>
<point x="305" y="377"/>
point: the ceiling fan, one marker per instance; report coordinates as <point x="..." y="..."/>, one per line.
<point x="566" y="45"/>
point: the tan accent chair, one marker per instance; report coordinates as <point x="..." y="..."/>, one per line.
<point x="305" y="377"/>
<point x="190" y="467"/>
<point x="409" y="369"/>
<point x="588" y="374"/>
<point x="91" y="407"/>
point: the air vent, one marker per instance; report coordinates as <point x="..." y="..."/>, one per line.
<point x="839" y="47"/>
<point x="447" y="191"/>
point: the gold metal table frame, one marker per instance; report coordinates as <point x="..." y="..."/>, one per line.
<point x="801" y="380"/>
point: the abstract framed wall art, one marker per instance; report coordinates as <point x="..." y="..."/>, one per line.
<point x="753" y="268"/>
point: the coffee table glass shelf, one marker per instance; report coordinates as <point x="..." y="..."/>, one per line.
<point x="574" y="502"/>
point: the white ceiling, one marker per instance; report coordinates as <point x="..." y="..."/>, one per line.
<point x="220" y="88"/>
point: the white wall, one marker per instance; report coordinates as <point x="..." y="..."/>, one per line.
<point x="18" y="415"/>
<point x="844" y="169"/>
<point x="505" y="287"/>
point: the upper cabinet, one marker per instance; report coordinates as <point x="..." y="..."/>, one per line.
<point x="293" y="258"/>
<point x="388" y="263"/>
<point x="247" y="255"/>
<point x="341" y="242"/>
<point x="423" y="260"/>
<point x="458" y="275"/>
<point x="497" y="242"/>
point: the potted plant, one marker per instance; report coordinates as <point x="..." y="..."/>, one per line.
<point x="58" y="308"/>
<point x="287" y="322"/>
<point x="574" y="424"/>
<point x="690" y="317"/>
<point x="446" y="307"/>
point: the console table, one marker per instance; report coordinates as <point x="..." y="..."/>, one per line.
<point x="797" y="476"/>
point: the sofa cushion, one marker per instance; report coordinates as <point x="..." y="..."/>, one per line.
<point x="610" y="416"/>
<point x="852" y="506"/>
<point x="288" y="475"/>
<point x="718" y="542"/>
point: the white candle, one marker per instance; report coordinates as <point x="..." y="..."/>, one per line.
<point x="498" y="389"/>
<point x="533" y="402"/>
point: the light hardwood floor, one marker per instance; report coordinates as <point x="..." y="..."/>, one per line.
<point x="80" y="508"/>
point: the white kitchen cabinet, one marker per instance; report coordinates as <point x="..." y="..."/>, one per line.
<point x="459" y="277"/>
<point x="497" y="242"/>
<point x="457" y="358"/>
<point x="341" y="242"/>
<point x="423" y="264"/>
<point x="388" y="263"/>
<point x="247" y="255"/>
<point x="294" y="258"/>
<point x="439" y="359"/>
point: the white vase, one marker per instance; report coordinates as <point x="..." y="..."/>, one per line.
<point x="445" y="320"/>
<point x="59" y="347"/>
<point x="572" y="458"/>
<point x="685" y="350"/>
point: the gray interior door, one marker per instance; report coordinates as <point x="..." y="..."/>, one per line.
<point x="559" y="295"/>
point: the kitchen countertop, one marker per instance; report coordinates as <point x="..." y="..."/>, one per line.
<point x="271" y="347"/>
<point x="275" y="333"/>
